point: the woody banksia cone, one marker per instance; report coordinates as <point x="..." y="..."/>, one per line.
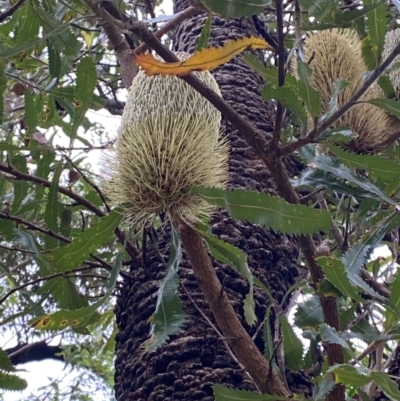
<point x="169" y="141"/>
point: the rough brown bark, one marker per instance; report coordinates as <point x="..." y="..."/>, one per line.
<point x="196" y="358"/>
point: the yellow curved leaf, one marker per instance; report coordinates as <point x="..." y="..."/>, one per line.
<point x="205" y="59"/>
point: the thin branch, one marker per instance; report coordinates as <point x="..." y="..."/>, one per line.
<point x="18" y="175"/>
<point x="11" y="10"/>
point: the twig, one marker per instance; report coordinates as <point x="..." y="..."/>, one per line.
<point x="132" y="250"/>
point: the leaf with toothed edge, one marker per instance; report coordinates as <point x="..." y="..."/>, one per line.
<point x="260" y="208"/>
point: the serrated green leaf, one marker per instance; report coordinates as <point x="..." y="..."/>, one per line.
<point x="237" y="259"/>
<point x="12" y="382"/>
<point x="288" y="98"/>
<point x="3" y="85"/>
<point x="5" y="363"/>
<point x="65" y="223"/>
<point x="368" y="53"/>
<point x="8" y="53"/>
<point x="336" y="273"/>
<point x="329" y="165"/>
<point x="357" y="255"/>
<point x="20" y="187"/>
<point x="310" y="95"/>
<point x="324" y="388"/>
<point x="66" y="294"/>
<point x="78" y="317"/>
<point x="350" y="375"/>
<point x="68" y="93"/>
<point x="30" y="26"/>
<point x="222" y="393"/>
<point x="263" y="209"/>
<point x="64" y="42"/>
<point x="309" y="314"/>
<point x="333" y="105"/>
<point x="202" y="43"/>
<point x="51" y="211"/>
<point x="30" y="115"/>
<point x="169" y="316"/>
<point x="392" y="319"/>
<point x="390" y="105"/>
<point x="388" y="386"/>
<point x="330" y="335"/>
<point x="292" y="345"/>
<point x="54" y="59"/>
<point x="379" y="167"/>
<point x="85" y="85"/>
<point x="71" y="256"/>
<point x="376" y="21"/>
<point x="235" y="8"/>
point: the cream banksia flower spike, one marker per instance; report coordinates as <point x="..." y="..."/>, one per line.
<point x="392" y="39"/>
<point x="169" y="141"/>
<point x="336" y="55"/>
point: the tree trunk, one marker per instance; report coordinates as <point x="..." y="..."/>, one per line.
<point x="195" y="359"/>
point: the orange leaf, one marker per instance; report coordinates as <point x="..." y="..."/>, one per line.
<point x="205" y="59"/>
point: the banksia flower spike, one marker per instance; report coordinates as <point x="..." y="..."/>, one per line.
<point x="392" y="38"/>
<point x="169" y="141"/>
<point x="336" y="55"/>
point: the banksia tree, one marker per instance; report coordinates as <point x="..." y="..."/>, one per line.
<point x="169" y="141"/>
<point x="336" y="55"/>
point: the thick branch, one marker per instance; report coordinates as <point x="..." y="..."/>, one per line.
<point x="237" y="337"/>
<point x="24" y="353"/>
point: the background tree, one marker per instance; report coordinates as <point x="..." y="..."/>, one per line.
<point x="65" y="252"/>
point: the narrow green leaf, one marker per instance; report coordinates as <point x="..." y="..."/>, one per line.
<point x="392" y="319"/>
<point x="12" y="382"/>
<point x="78" y="317"/>
<point x="3" y="85"/>
<point x="330" y="335"/>
<point x="309" y="314"/>
<point x="54" y="59"/>
<point x="8" y="53"/>
<point x="357" y="255"/>
<point x="20" y="187"/>
<point x="318" y="8"/>
<point x="376" y="20"/>
<point x="390" y="105"/>
<point x="333" y="105"/>
<point x="310" y="95"/>
<point x="288" y="98"/>
<point x="5" y="362"/>
<point x="71" y="256"/>
<point x="67" y="295"/>
<point x="237" y="259"/>
<point x="260" y="208"/>
<point x="236" y="8"/>
<point x="30" y="26"/>
<point x="388" y="386"/>
<point x="51" y="211"/>
<point x="268" y="343"/>
<point x="169" y="316"/>
<point x="332" y="166"/>
<point x="202" y="43"/>
<point x="379" y="167"/>
<point x="222" y="393"/>
<point x="335" y="272"/>
<point x="30" y="116"/>
<point x="85" y="85"/>
<point x="292" y="345"/>
<point x="322" y="389"/>
<point x="350" y="375"/>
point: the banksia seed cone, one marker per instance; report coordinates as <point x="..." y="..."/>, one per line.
<point x="169" y="141"/>
<point x="334" y="55"/>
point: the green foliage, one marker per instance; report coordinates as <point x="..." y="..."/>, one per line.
<point x="260" y="208"/>
<point x="235" y="8"/>
<point x="169" y="316"/>
<point x="205" y="34"/>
